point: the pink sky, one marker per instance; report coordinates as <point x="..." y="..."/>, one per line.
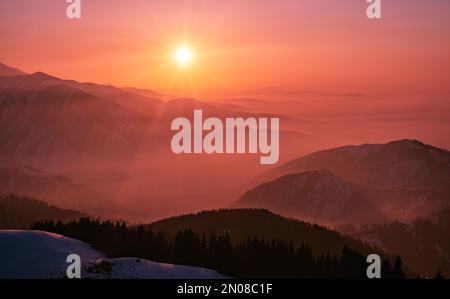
<point x="308" y="45"/>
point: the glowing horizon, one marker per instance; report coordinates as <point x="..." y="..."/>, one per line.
<point x="300" y="45"/>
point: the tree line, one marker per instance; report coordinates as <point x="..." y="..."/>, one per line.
<point x="251" y="258"/>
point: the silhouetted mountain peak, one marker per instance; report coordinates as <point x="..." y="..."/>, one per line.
<point x="7" y="71"/>
<point x="413" y="143"/>
<point x="317" y="195"/>
<point x="42" y="76"/>
<point x="405" y="164"/>
<point x="321" y="196"/>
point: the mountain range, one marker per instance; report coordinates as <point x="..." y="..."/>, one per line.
<point x="43" y="116"/>
<point x="57" y="190"/>
<point x="113" y="140"/>
<point x="322" y="197"/>
<point x="406" y="164"/>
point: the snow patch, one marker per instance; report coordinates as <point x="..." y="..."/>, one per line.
<point x="41" y="255"/>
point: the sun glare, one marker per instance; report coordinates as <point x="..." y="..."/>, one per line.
<point x="183" y="56"/>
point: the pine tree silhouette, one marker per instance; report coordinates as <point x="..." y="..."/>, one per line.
<point x="397" y="272"/>
<point x="252" y="258"/>
<point x="439" y="274"/>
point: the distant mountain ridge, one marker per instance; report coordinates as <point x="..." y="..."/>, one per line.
<point x="322" y="197"/>
<point x="27" y="181"/>
<point x="38" y="81"/>
<point x="112" y="140"/>
<point x="43" y="116"/>
<point x="406" y="164"/>
<point x="61" y="120"/>
<point x="6" y="71"/>
<point x="21" y="212"/>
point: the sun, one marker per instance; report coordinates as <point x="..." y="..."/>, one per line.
<point x="183" y="56"/>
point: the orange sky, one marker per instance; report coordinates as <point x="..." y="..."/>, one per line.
<point x="302" y="45"/>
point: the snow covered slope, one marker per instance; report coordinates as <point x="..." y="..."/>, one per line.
<point x="37" y="254"/>
<point x="126" y="268"/>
